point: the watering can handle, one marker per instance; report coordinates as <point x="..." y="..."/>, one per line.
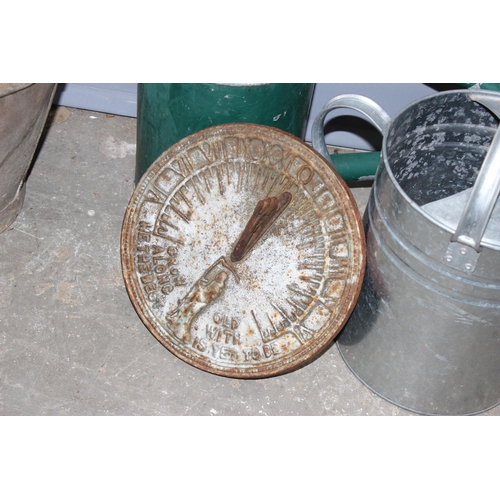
<point x="482" y="199"/>
<point x="357" y="102"/>
<point x="485" y="192"/>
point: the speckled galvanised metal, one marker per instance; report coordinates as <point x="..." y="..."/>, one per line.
<point x="424" y="334"/>
<point x="168" y="112"/>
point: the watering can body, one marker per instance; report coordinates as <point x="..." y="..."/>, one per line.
<point x="168" y="112"/>
<point x="425" y="333"/>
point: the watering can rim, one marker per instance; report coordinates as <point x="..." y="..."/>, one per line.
<point x="383" y="156"/>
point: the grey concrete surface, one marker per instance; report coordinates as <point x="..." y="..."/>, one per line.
<point x="71" y="342"/>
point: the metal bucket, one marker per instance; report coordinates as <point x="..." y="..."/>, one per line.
<point x="23" y="111"/>
<point x="425" y="332"/>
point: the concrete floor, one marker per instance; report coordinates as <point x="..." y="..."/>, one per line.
<point x="71" y="342"/>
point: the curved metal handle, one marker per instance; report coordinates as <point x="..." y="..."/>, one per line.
<point x="357" y="102"/>
<point x="482" y="200"/>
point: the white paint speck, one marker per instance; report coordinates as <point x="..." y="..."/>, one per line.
<point x="276" y="118"/>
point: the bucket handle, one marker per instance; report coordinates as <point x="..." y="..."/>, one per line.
<point x="482" y="199"/>
<point x="357" y="102"/>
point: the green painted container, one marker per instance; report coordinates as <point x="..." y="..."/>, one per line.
<point x="168" y="112"/>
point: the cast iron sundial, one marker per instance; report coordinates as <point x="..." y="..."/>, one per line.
<point x="243" y="251"/>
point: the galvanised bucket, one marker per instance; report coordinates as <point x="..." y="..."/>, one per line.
<point x="23" y="111"/>
<point x="425" y="333"/>
<point x="168" y="112"/>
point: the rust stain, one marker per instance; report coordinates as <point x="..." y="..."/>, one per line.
<point x="265" y="213"/>
<point x="63" y="253"/>
<point x="64" y="293"/>
<point x="43" y="287"/>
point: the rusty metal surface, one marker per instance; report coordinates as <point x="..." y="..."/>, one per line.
<point x="23" y="112"/>
<point x="242" y="251"/>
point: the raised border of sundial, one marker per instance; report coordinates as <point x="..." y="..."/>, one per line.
<point x="179" y="183"/>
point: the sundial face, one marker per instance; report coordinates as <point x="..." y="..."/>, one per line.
<point x="243" y="251"/>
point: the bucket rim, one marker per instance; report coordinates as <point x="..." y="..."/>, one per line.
<point x="11" y="88"/>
